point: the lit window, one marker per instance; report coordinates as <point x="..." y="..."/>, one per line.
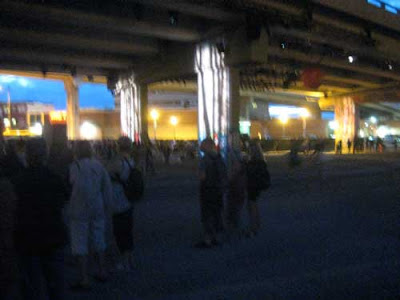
<point x="13" y="122"/>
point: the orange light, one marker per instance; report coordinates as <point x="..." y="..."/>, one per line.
<point x="58" y="117"/>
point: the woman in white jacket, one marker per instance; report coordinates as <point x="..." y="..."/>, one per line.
<point x="91" y="194"/>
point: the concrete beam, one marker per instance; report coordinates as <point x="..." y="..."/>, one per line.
<point x="331" y="62"/>
<point x="74" y="41"/>
<point x="41" y="57"/>
<point x="78" y="18"/>
<point x="211" y="13"/>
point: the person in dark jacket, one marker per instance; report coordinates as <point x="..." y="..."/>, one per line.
<point x="40" y="234"/>
<point x="212" y="175"/>
<point x="258" y="179"/>
<point x="8" y="261"/>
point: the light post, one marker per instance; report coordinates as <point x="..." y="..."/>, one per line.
<point x="174" y="121"/>
<point x="304" y="115"/>
<point x="284" y="119"/>
<point x="154" y="116"/>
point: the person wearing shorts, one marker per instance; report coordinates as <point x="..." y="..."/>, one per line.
<point x="91" y="193"/>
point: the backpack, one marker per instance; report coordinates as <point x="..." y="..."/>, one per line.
<point x="134" y="185"/>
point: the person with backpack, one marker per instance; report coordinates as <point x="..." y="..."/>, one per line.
<point x="212" y="175"/>
<point x="236" y="185"/>
<point x="89" y="203"/>
<point x="122" y="169"/>
<point x="258" y="180"/>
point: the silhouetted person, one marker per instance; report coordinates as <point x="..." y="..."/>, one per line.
<point x="122" y="210"/>
<point x="339" y="147"/>
<point x="212" y="175"/>
<point x="14" y="162"/>
<point x="236" y="184"/>
<point x="8" y="259"/>
<point x="348" y="146"/>
<point x="91" y="193"/>
<point x="40" y="234"/>
<point x="258" y="179"/>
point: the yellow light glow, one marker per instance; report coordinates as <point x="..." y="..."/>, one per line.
<point x="283" y="118"/>
<point x="305" y="113"/>
<point x="154" y="114"/>
<point x="36" y="129"/>
<point x="58" y="117"/>
<point x="89" y="131"/>
<point x="173" y="120"/>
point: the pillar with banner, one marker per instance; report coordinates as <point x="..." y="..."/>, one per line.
<point x="346" y="120"/>
<point x="218" y="95"/>
<point x="133" y="107"/>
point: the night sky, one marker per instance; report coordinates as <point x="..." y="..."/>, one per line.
<point x="52" y="91"/>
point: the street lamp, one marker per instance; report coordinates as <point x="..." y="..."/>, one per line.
<point x="174" y="121"/>
<point x="304" y="115"/>
<point x="154" y="116"/>
<point x="283" y="119"/>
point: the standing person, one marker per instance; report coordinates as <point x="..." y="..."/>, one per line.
<point x="122" y="210"/>
<point x="40" y="234"/>
<point x="91" y="195"/>
<point x="348" y="146"/>
<point x="258" y="179"/>
<point x="339" y="147"/>
<point x="236" y="184"/>
<point x="8" y="260"/>
<point x="212" y="175"/>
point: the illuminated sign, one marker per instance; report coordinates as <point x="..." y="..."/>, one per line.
<point x="58" y="117"/>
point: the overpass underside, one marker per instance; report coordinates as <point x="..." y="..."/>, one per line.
<point x="225" y="50"/>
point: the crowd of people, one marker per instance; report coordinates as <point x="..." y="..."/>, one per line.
<point x="70" y="199"/>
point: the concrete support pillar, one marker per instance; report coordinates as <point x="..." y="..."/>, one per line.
<point x="144" y="99"/>
<point x="347" y="120"/>
<point x="71" y="88"/>
<point x="133" y="107"/>
<point x="218" y="95"/>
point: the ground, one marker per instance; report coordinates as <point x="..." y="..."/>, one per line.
<point x="330" y="231"/>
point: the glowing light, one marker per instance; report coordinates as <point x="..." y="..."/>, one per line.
<point x="259" y="135"/>
<point x="173" y="120"/>
<point x="382" y="131"/>
<point x="36" y="129"/>
<point x="351" y="59"/>
<point x="361" y="133"/>
<point x="154" y="114"/>
<point x="333" y="125"/>
<point x="7" y="123"/>
<point x="88" y="131"/>
<point x="58" y="117"/>
<point x="283" y="118"/>
<point x="305" y="113"/>
<point x="373" y="120"/>
<point x="244" y="127"/>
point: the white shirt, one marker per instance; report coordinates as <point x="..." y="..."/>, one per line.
<point x="91" y="190"/>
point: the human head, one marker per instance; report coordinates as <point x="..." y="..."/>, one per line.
<point x="255" y="151"/>
<point x="207" y="145"/>
<point x="124" y="144"/>
<point x="36" y="152"/>
<point x="83" y="149"/>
